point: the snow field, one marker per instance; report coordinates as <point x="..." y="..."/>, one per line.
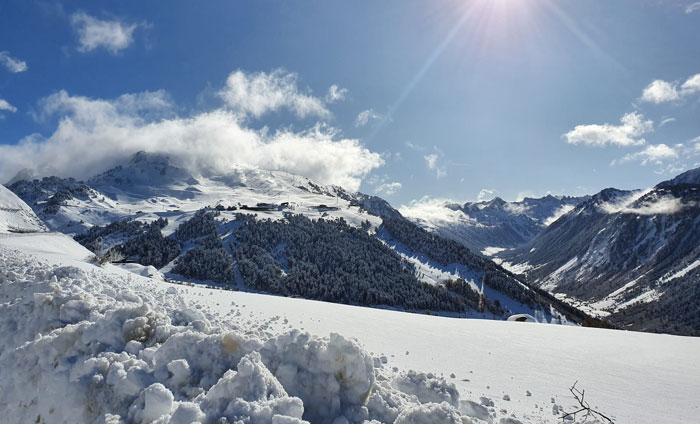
<point x="86" y="344"/>
<point x="79" y="343"/>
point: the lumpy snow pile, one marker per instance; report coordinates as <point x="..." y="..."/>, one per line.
<point x="81" y="344"/>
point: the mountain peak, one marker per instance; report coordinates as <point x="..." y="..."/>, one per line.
<point x="496" y="201"/>
<point x="24" y="174"/>
<point x="143" y="157"/>
<point x="690" y="177"/>
<point x="144" y="169"/>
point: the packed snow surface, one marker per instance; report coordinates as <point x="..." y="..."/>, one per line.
<point x="82" y="343"/>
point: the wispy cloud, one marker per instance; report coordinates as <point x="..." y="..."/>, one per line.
<point x="653" y="154"/>
<point x="642" y="203"/>
<point x="112" y="35"/>
<point x="388" y="189"/>
<point x="255" y="94"/>
<point x="414" y="147"/>
<point x="563" y="210"/>
<point x="12" y="64"/>
<point x="667" y="159"/>
<point x="5" y="106"/>
<point x="692" y="7"/>
<point x="107" y="131"/>
<point x="432" y="162"/>
<point x="660" y="91"/>
<point x="365" y="117"/>
<point x="486" y="194"/>
<point x="336" y="94"/>
<point x="666" y="121"/>
<point x="434" y="212"/>
<point x="628" y="133"/>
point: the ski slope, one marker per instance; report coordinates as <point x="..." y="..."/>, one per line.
<point x="64" y="356"/>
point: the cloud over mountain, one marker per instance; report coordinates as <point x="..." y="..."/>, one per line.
<point x="255" y="94"/>
<point x="92" y="135"/>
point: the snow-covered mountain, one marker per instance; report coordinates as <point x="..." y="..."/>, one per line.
<point x="16" y="216"/>
<point x="490" y="226"/>
<point x="149" y="186"/>
<point x="82" y="343"/>
<point x="279" y="233"/>
<point x="632" y="256"/>
<point x="117" y="345"/>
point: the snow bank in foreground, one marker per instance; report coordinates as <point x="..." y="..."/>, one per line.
<point x="81" y="344"/>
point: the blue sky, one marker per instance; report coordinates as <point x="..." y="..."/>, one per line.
<point x="406" y="99"/>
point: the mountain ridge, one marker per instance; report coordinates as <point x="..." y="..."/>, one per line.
<point x="145" y="202"/>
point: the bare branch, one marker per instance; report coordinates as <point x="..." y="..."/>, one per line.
<point x="580" y="395"/>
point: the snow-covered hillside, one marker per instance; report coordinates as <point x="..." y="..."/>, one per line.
<point x="149" y="186"/>
<point x="625" y="255"/>
<point x="490" y="227"/>
<point x="16" y="216"/>
<point x="236" y="238"/>
<point x="82" y="343"/>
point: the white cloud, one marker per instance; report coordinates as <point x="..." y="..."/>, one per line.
<point x="94" y="33"/>
<point x="432" y="162"/>
<point x="654" y="154"/>
<point x="414" y="147"/>
<point x="691" y="85"/>
<point x="666" y="121"/>
<point x="641" y="203"/>
<point x="94" y="134"/>
<point x="660" y="91"/>
<point x="336" y="94"/>
<point x="4" y="105"/>
<point x="632" y="126"/>
<point x="388" y="189"/>
<point x="692" y="7"/>
<point x="434" y="212"/>
<point x="558" y="214"/>
<point x="486" y="194"/>
<point x="12" y="64"/>
<point x="365" y="116"/>
<point x="256" y="94"/>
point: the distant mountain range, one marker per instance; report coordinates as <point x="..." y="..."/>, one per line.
<point x="631" y="256"/>
<point x="276" y="232"/>
<point x="492" y="226"/>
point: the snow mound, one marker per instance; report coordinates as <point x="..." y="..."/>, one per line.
<point x="522" y="318"/>
<point x="86" y="344"/>
<point x="16" y="216"/>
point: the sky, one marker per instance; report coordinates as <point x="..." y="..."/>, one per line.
<point x="410" y="100"/>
